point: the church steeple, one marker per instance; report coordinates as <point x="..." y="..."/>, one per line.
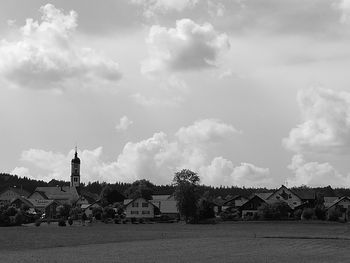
<point x="75" y="170"/>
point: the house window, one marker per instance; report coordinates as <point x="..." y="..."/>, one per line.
<point x="144" y="204"/>
<point x="75" y="179"/>
<point x="134" y="212"/>
<point x="135" y="204"/>
<point x="145" y="212"/>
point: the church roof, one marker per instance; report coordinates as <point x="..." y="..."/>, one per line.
<point x="59" y="192"/>
<point x="76" y="158"/>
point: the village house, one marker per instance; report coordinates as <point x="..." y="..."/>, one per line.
<point x="294" y="199"/>
<point x="167" y="205"/>
<point x="11" y="193"/>
<point x="340" y="207"/>
<point x="250" y="209"/>
<point x="40" y="206"/>
<point x="139" y="208"/>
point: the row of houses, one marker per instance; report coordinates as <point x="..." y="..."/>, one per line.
<point x="249" y="207"/>
<point x="46" y="199"/>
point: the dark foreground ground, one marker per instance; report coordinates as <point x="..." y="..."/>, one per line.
<point x="227" y="242"/>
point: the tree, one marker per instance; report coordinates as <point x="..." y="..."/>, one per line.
<point x="64" y="210"/>
<point x="140" y="188"/>
<point x="186" y="185"/>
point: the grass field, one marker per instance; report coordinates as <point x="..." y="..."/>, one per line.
<point x="226" y="242"/>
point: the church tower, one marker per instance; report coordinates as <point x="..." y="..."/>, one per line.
<point x="75" y="173"/>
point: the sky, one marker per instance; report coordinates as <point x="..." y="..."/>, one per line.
<point x="243" y="92"/>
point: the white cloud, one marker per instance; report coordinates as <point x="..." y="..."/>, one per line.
<point x="344" y="7"/>
<point x="124" y="123"/>
<point x="156" y="158"/>
<point x="315" y="174"/>
<point x="223" y="172"/>
<point x="152" y="7"/>
<point x="326" y="122"/>
<point x="21" y="172"/>
<point x="189" y="46"/>
<point x="205" y="131"/>
<point x="216" y="8"/>
<point x="47" y="55"/>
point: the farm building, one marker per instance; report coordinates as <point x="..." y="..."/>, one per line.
<point x="340" y="207"/>
<point x="167" y="205"/>
<point x="11" y="193"/>
<point x="139" y="208"/>
<point x="40" y="205"/>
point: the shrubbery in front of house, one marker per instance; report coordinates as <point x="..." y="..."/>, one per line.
<point x="37" y="222"/>
<point x="276" y="211"/>
<point x="62" y="222"/>
<point x="334" y="215"/>
<point x="307" y="214"/>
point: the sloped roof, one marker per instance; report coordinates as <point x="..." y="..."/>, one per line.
<point x="264" y="196"/>
<point x="166" y="206"/>
<point x="24" y="200"/>
<point x="160" y="197"/>
<point x="339" y="200"/>
<point x="233" y="199"/>
<point x="329" y="200"/>
<point x="59" y="193"/>
<point x="305" y="194"/>
<point x="129" y="201"/>
<point x="41" y="193"/>
<point x="41" y="203"/>
<point x="19" y="191"/>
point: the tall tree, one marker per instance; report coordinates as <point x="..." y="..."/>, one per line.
<point x="186" y="185"/>
<point x="140" y="188"/>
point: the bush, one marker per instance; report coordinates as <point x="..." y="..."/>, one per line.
<point x="62" y="222"/>
<point x="228" y="215"/>
<point x="334" y="215"/>
<point x="48" y="220"/>
<point x="70" y="221"/>
<point x="133" y="220"/>
<point x="18" y="219"/>
<point x="320" y="212"/>
<point x="307" y="213"/>
<point x="37" y="222"/>
<point x="97" y="212"/>
<point x="297" y="214"/>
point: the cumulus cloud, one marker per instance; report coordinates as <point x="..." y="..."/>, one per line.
<point x="152" y="7"/>
<point x="344" y="7"/>
<point x="223" y="172"/>
<point x="156" y="158"/>
<point x="47" y="55"/>
<point x="124" y="124"/>
<point x="326" y="122"/>
<point x="188" y="46"/>
<point x="22" y="172"/>
<point x="204" y="131"/>
<point x="315" y="174"/>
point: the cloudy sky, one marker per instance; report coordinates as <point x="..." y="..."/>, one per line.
<point x="244" y="92"/>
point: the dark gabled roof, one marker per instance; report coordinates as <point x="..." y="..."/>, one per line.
<point x="233" y="199"/>
<point x="41" y="193"/>
<point x="251" y="200"/>
<point x="304" y="194"/>
<point x="263" y="196"/>
<point x="24" y="200"/>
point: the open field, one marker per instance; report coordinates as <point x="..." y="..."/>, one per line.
<point x="226" y="242"/>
